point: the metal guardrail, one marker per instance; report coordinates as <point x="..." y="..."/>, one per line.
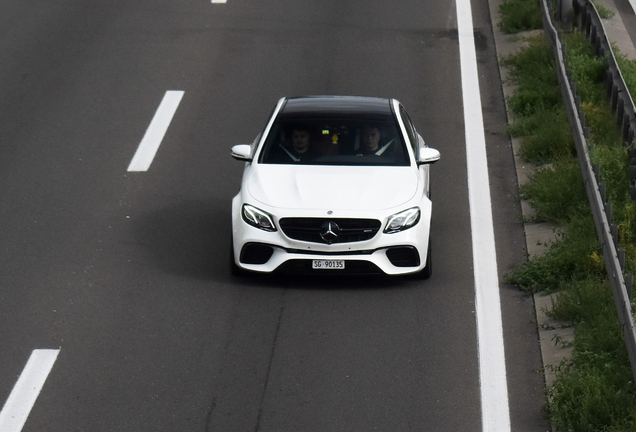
<point x="587" y="18"/>
<point x="621" y="101"/>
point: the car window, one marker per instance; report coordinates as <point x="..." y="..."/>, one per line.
<point x="334" y="142"/>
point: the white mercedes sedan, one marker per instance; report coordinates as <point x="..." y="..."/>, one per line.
<point x="334" y="185"/>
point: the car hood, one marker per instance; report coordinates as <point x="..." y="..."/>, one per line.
<point x="331" y="187"/>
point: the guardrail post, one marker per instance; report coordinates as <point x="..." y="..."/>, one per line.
<point x="614" y="100"/>
<point x="565" y="13"/>
<point x="629" y="280"/>
<point x="601" y="190"/>
<point x="614" y="230"/>
<point x="597" y="172"/>
<point x="619" y="112"/>
<point x="621" y="258"/>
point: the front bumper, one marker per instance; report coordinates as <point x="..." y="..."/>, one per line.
<point x="398" y="253"/>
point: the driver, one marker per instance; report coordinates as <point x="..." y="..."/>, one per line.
<point x="371" y="142"/>
<point x="370" y="139"/>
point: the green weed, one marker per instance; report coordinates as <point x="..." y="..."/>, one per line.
<point x="628" y="70"/>
<point x="603" y="11"/>
<point x="519" y="15"/>
<point x="557" y="192"/>
<point x="574" y="256"/>
<point x="593" y="391"/>
<point x="532" y="70"/>
<point x="541" y="118"/>
<point x="546" y="135"/>
<point x="587" y="69"/>
<point x="589" y="398"/>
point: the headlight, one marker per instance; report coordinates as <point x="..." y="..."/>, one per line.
<point x="403" y="220"/>
<point x="258" y="218"/>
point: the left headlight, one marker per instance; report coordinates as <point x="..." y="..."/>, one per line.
<point x="403" y="220"/>
<point x="258" y="218"/>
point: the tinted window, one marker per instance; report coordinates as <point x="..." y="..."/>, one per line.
<point x="334" y="142"/>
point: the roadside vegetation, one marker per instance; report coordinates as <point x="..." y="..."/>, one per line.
<point x="594" y="389"/>
<point x="519" y="15"/>
<point x="602" y="10"/>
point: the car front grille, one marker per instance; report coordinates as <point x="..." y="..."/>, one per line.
<point x="328" y="230"/>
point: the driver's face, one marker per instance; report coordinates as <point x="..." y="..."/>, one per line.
<point x="300" y="140"/>
<point x="370" y="138"/>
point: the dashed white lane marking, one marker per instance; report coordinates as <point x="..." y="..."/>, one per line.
<point x="495" y="411"/>
<point x="18" y="406"/>
<point x="156" y="131"/>
<point x="219" y="1"/>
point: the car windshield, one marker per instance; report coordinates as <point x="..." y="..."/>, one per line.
<point x="334" y="142"/>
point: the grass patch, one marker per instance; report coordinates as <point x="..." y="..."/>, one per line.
<point x="603" y="11"/>
<point x="557" y="192"/>
<point x="574" y="256"/>
<point x="532" y="70"/>
<point x="593" y="391"/>
<point x="628" y="70"/>
<point x="545" y="135"/>
<point x="587" y="69"/>
<point x="519" y="15"/>
<point x="541" y="121"/>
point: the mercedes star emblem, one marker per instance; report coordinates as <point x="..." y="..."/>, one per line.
<point x="329" y="232"/>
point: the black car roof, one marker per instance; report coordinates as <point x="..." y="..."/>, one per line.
<point x="336" y="106"/>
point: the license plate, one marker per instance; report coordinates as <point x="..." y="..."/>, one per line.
<point x="327" y="264"/>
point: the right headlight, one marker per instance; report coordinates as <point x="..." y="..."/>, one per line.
<point x="403" y="220"/>
<point x="258" y="218"/>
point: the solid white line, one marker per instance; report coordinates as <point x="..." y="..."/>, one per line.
<point x="495" y="411"/>
<point x="156" y="131"/>
<point x="18" y="406"/>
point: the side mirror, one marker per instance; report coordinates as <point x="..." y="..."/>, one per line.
<point x="428" y="156"/>
<point x="242" y="152"/>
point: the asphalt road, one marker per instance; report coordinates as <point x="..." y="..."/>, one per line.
<point x="127" y="273"/>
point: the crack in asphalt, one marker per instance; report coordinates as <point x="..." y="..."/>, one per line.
<point x="270" y="361"/>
